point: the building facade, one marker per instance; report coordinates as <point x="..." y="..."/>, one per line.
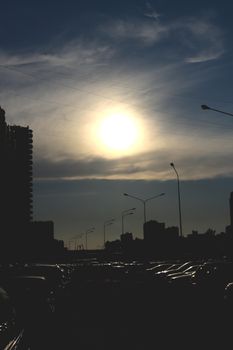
<point x="231" y="209"/>
<point x="15" y="181"/>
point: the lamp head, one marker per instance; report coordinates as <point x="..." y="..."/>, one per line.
<point x="172" y="164"/>
<point x="129" y="213"/>
<point x="205" y="107"/>
<point x="125" y="194"/>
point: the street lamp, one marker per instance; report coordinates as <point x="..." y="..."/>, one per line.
<point x="205" y="107"/>
<point x="144" y="201"/>
<point x="76" y="238"/>
<point x="123" y="214"/>
<point x="87" y="232"/>
<point x="107" y="223"/>
<point x="178" y="188"/>
<point x="76" y="241"/>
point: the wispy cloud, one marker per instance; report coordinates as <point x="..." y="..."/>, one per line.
<point x="193" y="158"/>
<point x="68" y="55"/>
<point x="196" y="39"/>
<point x="151" y="12"/>
<point x="148" y="33"/>
<point x="60" y="94"/>
<point x="202" y="39"/>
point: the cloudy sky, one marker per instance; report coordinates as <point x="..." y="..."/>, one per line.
<point x="112" y="91"/>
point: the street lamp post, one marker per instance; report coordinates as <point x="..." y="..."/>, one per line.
<point x="144" y="201"/>
<point x="179" y="202"/>
<point x="76" y="241"/>
<point x="107" y="223"/>
<point x="205" y="107"/>
<point x="87" y="232"/>
<point x="123" y="214"/>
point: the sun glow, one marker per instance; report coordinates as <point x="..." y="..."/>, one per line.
<point x="115" y="132"/>
<point x="118" y="132"/>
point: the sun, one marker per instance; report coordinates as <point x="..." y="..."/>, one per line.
<point x="118" y="132"/>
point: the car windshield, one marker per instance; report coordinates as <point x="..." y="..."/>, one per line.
<point x="192" y="268"/>
<point x="159" y="267"/>
<point x="184" y="266"/>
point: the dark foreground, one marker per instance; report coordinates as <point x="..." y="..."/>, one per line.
<point x="100" y="305"/>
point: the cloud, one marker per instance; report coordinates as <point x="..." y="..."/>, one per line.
<point x="147" y="33"/>
<point x="84" y="168"/>
<point x="203" y="39"/>
<point x="207" y="163"/>
<point x="151" y="12"/>
<point x="71" y="55"/>
<point x="60" y="94"/>
<point x="195" y="39"/>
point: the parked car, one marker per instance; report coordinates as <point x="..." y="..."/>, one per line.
<point x="213" y="276"/>
<point x="11" y="331"/>
<point x="159" y="267"/>
<point x="188" y="271"/>
<point x="184" y="278"/>
<point x="169" y="269"/>
<point x="32" y="295"/>
<point x="228" y="295"/>
<point x="179" y="267"/>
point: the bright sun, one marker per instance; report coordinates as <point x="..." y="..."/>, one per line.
<point x="118" y="132"/>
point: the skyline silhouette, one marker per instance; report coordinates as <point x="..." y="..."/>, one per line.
<point x="21" y="238"/>
<point x="36" y="238"/>
<point x="108" y="119"/>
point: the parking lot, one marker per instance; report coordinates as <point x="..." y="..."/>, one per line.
<point x="116" y="304"/>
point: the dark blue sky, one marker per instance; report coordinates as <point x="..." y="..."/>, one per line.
<point x="69" y="68"/>
<point x="27" y="23"/>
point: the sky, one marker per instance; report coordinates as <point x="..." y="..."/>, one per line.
<point x="113" y="92"/>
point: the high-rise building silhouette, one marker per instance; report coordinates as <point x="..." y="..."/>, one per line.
<point x="153" y="230"/>
<point x="15" y="181"/>
<point x="231" y="209"/>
